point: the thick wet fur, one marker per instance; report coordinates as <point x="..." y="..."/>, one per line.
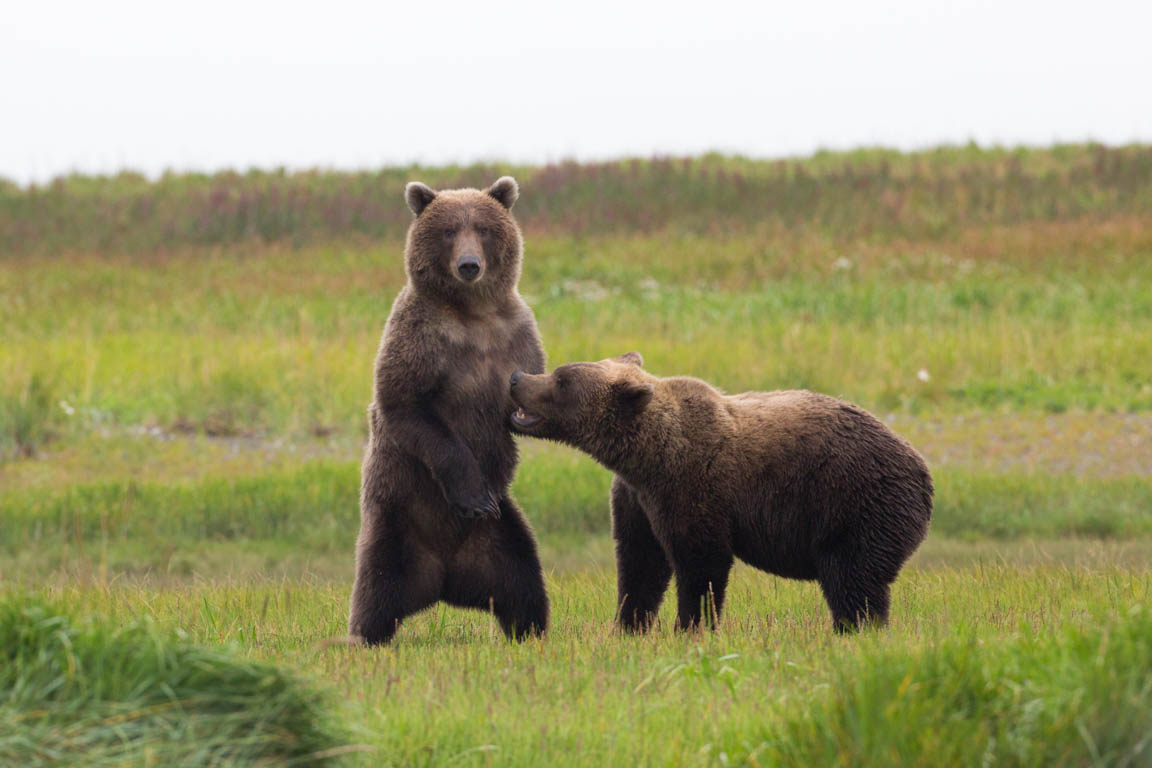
<point x="795" y="483"/>
<point x="436" y="519"/>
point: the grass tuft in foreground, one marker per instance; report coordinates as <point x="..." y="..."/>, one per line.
<point x="85" y="692"/>
<point x="1076" y="698"/>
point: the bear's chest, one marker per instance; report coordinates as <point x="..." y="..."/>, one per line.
<point x="482" y="382"/>
<point x="487" y="337"/>
<point x="479" y="360"/>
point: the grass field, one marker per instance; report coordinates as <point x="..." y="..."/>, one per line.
<point x="1040" y="665"/>
<point x="184" y="367"/>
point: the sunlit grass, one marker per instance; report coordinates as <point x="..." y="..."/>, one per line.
<point x="272" y="342"/>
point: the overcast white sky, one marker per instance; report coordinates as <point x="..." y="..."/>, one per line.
<point x="100" y="86"/>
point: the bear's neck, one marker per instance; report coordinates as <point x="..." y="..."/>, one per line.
<point x="644" y="452"/>
<point x="472" y="303"/>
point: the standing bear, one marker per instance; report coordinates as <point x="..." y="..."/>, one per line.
<point x="793" y="483"/>
<point x="436" y="520"/>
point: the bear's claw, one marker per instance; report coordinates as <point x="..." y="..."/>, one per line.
<point x="487" y="509"/>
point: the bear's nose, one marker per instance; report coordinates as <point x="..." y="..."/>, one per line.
<point x="469" y="268"/>
<point x="515" y="379"/>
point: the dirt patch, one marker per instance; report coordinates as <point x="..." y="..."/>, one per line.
<point x="1099" y="444"/>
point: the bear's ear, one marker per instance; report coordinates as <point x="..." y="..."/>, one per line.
<point x="633" y="395"/>
<point x="632" y="358"/>
<point x="505" y="191"/>
<point x="418" y="196"/>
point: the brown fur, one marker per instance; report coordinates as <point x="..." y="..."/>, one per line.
<point x="795" y="483"/>
<point x="436" y="519"/>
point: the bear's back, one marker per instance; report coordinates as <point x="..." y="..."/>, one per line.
<point x="794" y="429"/>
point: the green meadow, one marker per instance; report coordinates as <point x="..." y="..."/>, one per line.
<point x="185" y="365"/>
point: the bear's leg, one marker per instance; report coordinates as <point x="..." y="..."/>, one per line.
<point x="498" y="569"/>
<point x="394" y="579"/>
<point x="855" y="597"/>
<point x="702" y="567"/>
<point x="642" y="568"/>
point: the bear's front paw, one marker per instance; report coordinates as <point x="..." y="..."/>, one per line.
<point x="482" y="507"/>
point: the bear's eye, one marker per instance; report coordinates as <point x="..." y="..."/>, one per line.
<point x="447" y="234"/>
<point x="482" y="230"/>
<point x="561" y="383"/>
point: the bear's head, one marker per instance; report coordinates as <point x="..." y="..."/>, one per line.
<point x="595" y="407"/>
<point x="463" y="244"/>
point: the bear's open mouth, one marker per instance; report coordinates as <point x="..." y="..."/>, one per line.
<point x="524" y="420"/>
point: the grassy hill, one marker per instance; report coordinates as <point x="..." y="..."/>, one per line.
<point x="873" y="194"/>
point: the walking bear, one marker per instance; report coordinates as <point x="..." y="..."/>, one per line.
<point x="436" y="520"/>
<point x="794" y="483"/>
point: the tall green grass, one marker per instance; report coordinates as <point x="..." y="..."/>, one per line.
<point x="276" y="344"/>
<point x="312" y="508"/>
<point x="1077" y="696"/>
<point x="30" y="415"/>
<point x="89" y="692"/>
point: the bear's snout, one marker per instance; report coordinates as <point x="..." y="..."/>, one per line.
<point x="515" y="379"/>
<point x="468" y="268"/>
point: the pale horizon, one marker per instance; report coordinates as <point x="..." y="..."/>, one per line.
<point x="135" y="87"/>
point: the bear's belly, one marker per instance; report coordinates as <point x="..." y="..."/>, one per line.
<point x="781" y="561"/>
<point x="783" y="552"/>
